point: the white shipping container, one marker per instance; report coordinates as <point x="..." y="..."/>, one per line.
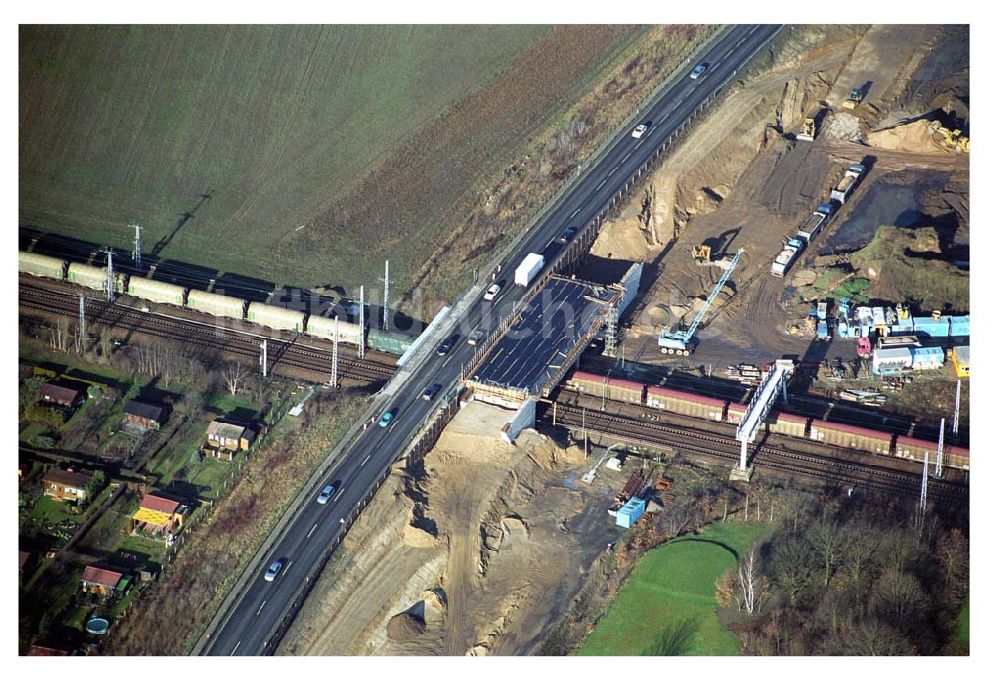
<point x="322" y="327"/>
<point x="155" y="291"/>
<point x="274" y="317"/>
<point x="528" y="268"/>
<point x="216" y="304"/>
<point x="891" y="359"/>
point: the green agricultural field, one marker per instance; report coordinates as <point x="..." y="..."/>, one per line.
<point x="122" y="124"/>
<point x="667" y="607"/>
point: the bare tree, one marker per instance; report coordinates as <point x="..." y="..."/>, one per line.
<point x="60" y="334"/>
<point x="235" y="375"/>
<point x="751" y="584"/>
<point x="827" y="541"/>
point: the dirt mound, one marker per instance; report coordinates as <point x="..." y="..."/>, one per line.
<point x="843" y="127"/>
<point x="405" y="627"/>
<point x="415" y="537"/>
<point x="914" y="137"/>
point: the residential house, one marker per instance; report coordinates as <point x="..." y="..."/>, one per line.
<point x="22" y="560"/>
<point x="144" y="415"/>
<point x="226" y="439"/>
<point x="159" y="515"/>
<point x="101" y="580"/>
<point x="60" y="394"/>
<point x="67" y="485"/>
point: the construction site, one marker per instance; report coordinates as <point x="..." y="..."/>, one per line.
<point x="805" y="243"/>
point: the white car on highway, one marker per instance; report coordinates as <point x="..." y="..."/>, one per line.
<point x="698" y="70"/>
<point x="492" y="292"/>
<point x="640" y="130"/>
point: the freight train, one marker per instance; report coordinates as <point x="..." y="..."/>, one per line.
<point x="218" y="305"/>
<point x="781" y="423"/>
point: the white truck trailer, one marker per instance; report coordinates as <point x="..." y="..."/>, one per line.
<point x="528" y="268"/>
<point x="847" y="183"/>
<point x="787" y="257"/>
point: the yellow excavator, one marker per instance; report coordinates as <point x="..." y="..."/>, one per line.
<point x="702" y="255"/>
<point x="853" y="99"/>
<point x="808" y="132"/>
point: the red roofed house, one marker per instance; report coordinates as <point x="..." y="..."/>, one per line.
<point x="159" y="515"/>
<point x="60" y="394"/>
<point x="100" y="580"/>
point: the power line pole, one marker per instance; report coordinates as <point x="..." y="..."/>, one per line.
<point x="263" y="358"/>
<point x="385" y="297"/>
<point x="958" y="400"/>
<point x="940" y="452"/>
<point x="923" y="499"/>
<point x="110" y="284"/>
<point x="81" y="335"/>
<point x="336" y="342"/>
<point x="361" y="341"/>
<point x="137" y="247"/>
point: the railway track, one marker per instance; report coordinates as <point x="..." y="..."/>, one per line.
<point x="802" y="405"/>
<point x="816" y="466"/>
<point x="284" y="354"/>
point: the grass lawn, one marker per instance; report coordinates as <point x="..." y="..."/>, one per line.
<point x="143" y="544"/>
<point x="47" y="510"/>
<point x="212" y="472"/>
<point x="962" y="631"/>
<point x="668" y="604"/>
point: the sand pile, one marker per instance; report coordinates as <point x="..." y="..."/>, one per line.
<point x="405" y="626"/>
<point x="914" y="137"/>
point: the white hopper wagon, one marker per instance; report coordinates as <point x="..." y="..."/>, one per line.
<point x="155" y="291"/>
<point x="322" y="327"/>
<point x="216" y="304"/>
<point x="92" y="277"/>
<point x="41" y="265"/>
<point x="274" y="317"/>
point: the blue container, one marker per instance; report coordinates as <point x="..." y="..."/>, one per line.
<point x="928" y="358"/>
<point x="960" y="325"/>
<point x="630" y="513"/>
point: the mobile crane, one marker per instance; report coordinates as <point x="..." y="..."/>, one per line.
<point x="679" y="342"/>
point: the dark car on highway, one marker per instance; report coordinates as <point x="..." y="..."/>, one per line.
<point x="448" y="344"/>
<point x="431" y="392"/>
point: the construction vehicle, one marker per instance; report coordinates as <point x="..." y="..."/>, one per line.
<point x="808" y="132"/>
<point x="853" y="99"/>
<point x="679" y="342"/>
<point x="952" y="138"/>
<point x="846" y="185"/>
<point x="786" y="257"/>
<point x="702" y="255"/>
<point x="902" y="312"/>
<point x="864" y="347"/>
<point x="815" y="222"/>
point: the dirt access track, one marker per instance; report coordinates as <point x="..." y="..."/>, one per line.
<point x="475" y="553"/>
<point x="738" y="180"/>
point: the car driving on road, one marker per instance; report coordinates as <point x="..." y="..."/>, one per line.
<point x="327" y="492"/>
<point x="386" y="419"/>
<point x="492" y="292"/>
<point x="567" y="234"/>
<point x="431" y="391"/>
<point x="640" y="130"/>
<point x="698" y="70"/>
<point x="446" y="346"/>
<point x="275" y="569"/>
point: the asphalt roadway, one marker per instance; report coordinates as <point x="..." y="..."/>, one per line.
<point x="262" y="605"/>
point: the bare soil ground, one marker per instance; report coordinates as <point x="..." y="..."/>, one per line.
<point x="737" y="181"/>
<point x="485" y="544"/>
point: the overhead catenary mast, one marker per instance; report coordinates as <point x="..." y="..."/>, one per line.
<point x="958" y="400"/>
<point x="110" y="283"/>
<point x="82" y="334"/>
<point x="938" y="462"/>
<point x="385" y="298"/>
<point x="336" y="342"/>
<point x="361" y="342"/>
<point x="137" y="247"/>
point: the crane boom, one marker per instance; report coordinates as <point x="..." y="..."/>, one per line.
<point x="671" y="341"/>
<point x="711" y="297"/>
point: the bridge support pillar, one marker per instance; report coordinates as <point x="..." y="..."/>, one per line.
<point x="741" y="472"/>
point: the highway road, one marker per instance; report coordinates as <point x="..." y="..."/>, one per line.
<point x="261" y="606"/>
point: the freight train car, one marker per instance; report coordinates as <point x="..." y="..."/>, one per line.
<point x="93" y="277"/>
<point x="323" y="327"/>
<point x="388" y="341"/>
<point x="788" y="424"/>
<point x="619" y="390"/>
<point x="735" y="413"/>
<point x="155" y="291"/>
<point x="852" y="437"/>
<point x="274" y="317"/>
<point x="914" y="449"/>
<point x="40" y="265"/>
<point x="686" y="404"/>
<point x="216" y="304"/>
